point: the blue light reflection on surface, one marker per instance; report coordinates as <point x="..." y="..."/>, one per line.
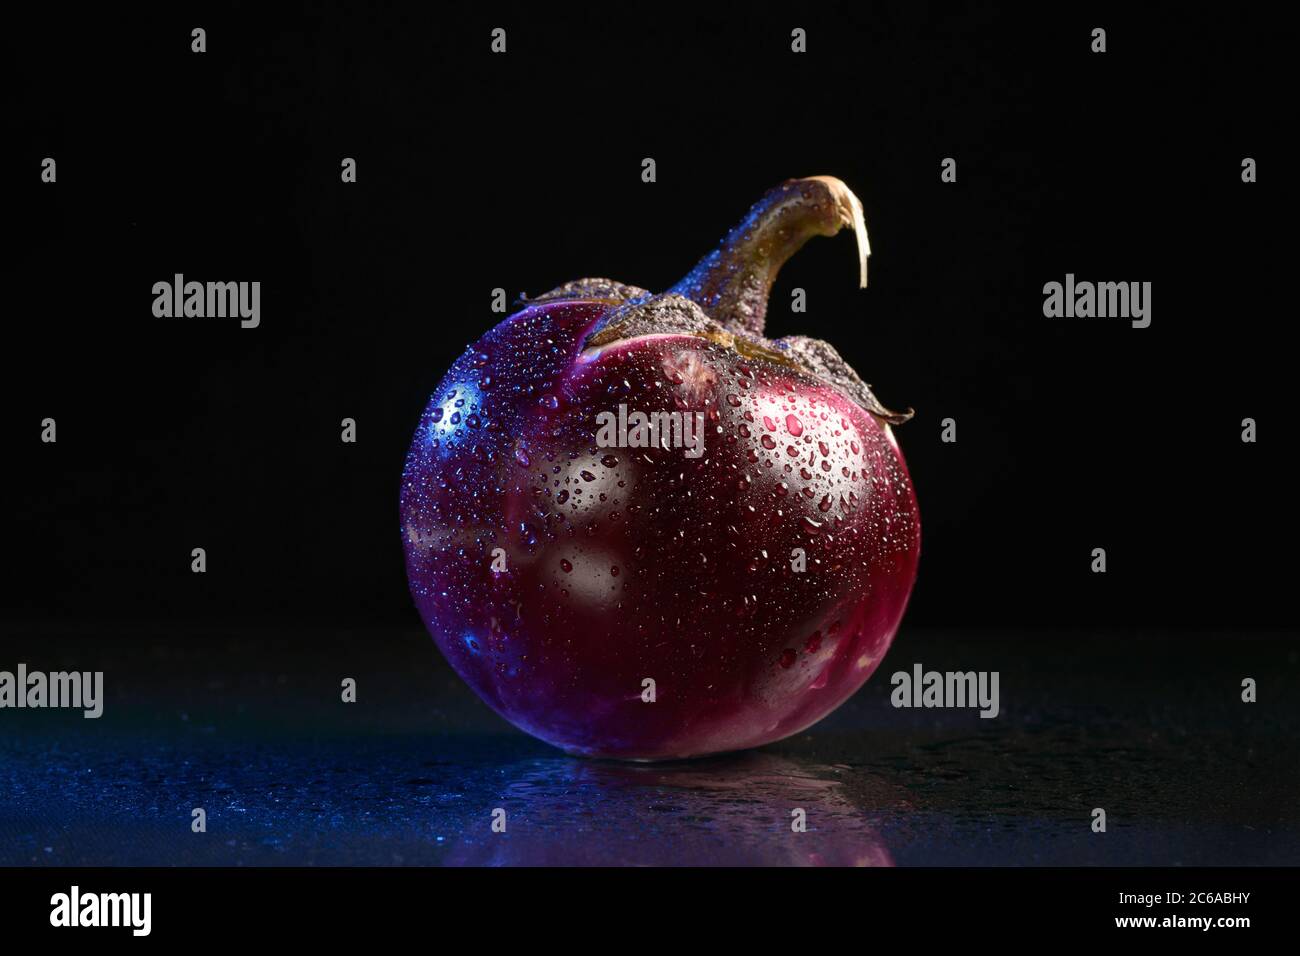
<point x="449" y="416"/>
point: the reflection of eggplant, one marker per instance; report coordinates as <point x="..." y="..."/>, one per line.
<point x="731" y="811"/>
<point x="748" y="544"/>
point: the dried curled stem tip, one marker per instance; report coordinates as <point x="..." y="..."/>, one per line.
<point x="850" y="210"/>
<point x="732" y="283"/>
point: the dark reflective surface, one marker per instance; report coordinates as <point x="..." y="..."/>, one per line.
<point x="740" y="810"/>
<point x="1151" y="729"/>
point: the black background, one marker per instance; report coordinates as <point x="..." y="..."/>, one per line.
<point x="523" y="171"/>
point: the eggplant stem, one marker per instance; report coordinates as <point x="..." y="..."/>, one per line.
<point x="732" y="283"/>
